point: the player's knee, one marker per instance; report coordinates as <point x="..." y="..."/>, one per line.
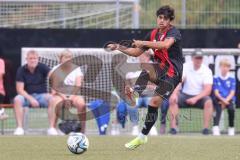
<point x="155" y="102"/>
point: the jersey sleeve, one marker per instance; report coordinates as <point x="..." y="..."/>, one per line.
<point x="175" y="34"/>
<point x="19" y="75"/>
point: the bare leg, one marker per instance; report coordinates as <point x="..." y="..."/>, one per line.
<point x="79" y="102"/>
<point x="52" y="113"/>
<point x="18" y="108"/>
<point x="208" y="110"/>
<point x="173" y="114"/>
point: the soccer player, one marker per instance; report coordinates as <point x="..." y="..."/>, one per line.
<point x="165" y="41"/>
<point x="224" y="87"/>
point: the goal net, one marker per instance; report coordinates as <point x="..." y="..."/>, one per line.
<point x="66" y="13"/>
<point x="100" y="85"/>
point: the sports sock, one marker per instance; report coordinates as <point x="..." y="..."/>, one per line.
<point x="151" y="118"/>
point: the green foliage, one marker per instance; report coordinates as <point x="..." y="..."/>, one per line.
<point x="199" y="13"/>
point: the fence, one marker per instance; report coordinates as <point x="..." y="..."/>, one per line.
<point x="116" y="13"/>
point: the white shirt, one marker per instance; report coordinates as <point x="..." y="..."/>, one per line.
<point x="71" y="77"/>
<point x="194" y="80"/>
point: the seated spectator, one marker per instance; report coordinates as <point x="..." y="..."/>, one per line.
<point x="31" y="88"/>
<point x="163" y="118"/>
<point x="73" y="77"/>
<point x="224" y="87"/>
<point x="197" y="85"/>
<point x="3" y="115"/>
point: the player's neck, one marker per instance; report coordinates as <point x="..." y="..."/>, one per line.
<point x="163" y="30"/>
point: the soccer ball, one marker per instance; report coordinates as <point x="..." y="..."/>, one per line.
<point x="77" y="143"/>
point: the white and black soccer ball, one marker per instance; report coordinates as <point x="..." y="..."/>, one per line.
<point x="77" y="143"/>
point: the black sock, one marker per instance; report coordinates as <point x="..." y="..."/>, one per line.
<point x="231" y="117"/>
<point x="151" y="118"/>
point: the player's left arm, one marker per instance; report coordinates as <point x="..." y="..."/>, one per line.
<point x="166" y="44"/>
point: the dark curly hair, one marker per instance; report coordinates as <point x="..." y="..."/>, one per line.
<point x="167" y="11"/>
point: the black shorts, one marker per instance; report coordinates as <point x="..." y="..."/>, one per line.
<point x="183" y="97"/>
<point x="166" y="84"/>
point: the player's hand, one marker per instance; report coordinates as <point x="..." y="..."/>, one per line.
<point x="112" y="46"/>
<point x="34" y="103"/>
<point x="138" y="43"/>
<point x="191" y="101"/>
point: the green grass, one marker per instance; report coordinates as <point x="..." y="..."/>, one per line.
<point x="112" y="148"/>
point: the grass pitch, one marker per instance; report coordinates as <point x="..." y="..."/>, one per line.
<point x="112" y="148"/>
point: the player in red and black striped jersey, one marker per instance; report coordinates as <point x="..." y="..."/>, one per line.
<point x="166" y="73"/>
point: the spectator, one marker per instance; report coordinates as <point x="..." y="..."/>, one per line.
<point x="197" y="85"/>
<point x="3" y="115"/>
<point x="31" y="88"/>
<point x="163" y="118"/>
<point x="73" y="77"/>
<point x="224" y="87"/>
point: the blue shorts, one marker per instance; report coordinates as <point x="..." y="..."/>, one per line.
<point x="142" y="102"/>
<point x="42" y="98"/>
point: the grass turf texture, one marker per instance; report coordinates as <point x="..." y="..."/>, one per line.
<point x="109" y="148"/>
